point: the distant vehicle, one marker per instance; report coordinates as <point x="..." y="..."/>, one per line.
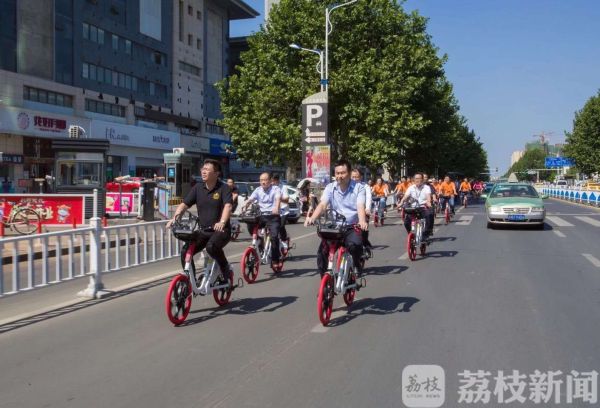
<point x="129" y="184"/>
<point x="515" y="204"/>
<point x="486" y="190"/>
<point x="561" y="183"/>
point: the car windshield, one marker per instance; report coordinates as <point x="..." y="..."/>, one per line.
<point x="514" y="191"/>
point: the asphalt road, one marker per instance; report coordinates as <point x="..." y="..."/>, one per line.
<point x="503" y="299"/>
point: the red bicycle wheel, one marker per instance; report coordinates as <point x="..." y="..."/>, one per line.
<point x="250" y="265"/>
<point x="325" y="299"/>
<point x="223" y="295"/>
<point x="423" y="249"/>
<point x="350" y="293"/>
<point x="178" y="300"/>
<point x="411" y="247"/>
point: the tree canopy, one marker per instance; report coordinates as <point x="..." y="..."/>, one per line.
<point x="389" y="99"/>
<point x="583" y="143"/>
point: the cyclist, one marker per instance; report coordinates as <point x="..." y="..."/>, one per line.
<point x="380" y="193"/>
<point x="447" y="193"/>
<point x="213" y="200"/>
<point x="284" y="211"/>
<point x="348" y="198"/>
<point x="478" y="188"/>
<point x="268" y="198"/>
<point x="234" y="194"/>
<point x="430" y="214"/>
<point x="465" y="189"/>
<point x="357" y="176"/>
<point x="418" y="195"/>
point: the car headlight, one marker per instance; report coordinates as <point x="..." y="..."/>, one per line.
<point x="537" y="209"/>
<point x="495" y="209"/>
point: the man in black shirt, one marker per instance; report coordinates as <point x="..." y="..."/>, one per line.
<point x="213" y="201"/>
<point x="234" y="192"/>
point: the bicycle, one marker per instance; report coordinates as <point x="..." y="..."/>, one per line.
<point x="22" y="219"/>
<point x="445" y="207"/>
<point x="340" y="277"/>
<point x="414" y="239"/>
<point x="465" y="198"/>
<point x="191" y="283"/>
<point x="259" y="251"/>
<point x="378" y="213"/>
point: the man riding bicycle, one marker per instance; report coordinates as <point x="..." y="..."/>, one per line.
<point x="447" y="193"/>
<point x="380" y="193"/>
<point x="268" y="197"/>
<point x="348" y="198"/>
<point x="357" y="176"/>
<point x="430" y="214"/>
<point x="284" y="212"/>
<point x="418" y="195"/>
<point x="213" y="200"/>
<point x="465" y="189"/>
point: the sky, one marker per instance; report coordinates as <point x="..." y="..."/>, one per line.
<point x="518" y="67"/>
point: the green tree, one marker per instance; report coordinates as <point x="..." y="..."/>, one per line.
<point x="583" y="144"/>
<point x="532" y="159"/>
<point x="388" y="97"/>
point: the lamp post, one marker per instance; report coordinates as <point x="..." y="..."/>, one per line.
<point x="319" y="66"/>
<point x="328" y="30"/>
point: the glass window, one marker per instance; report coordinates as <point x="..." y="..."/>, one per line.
<point x="68" y="101"/>
<point x="116" y="111"/>
<point x="108" y="76"/>
<point x="92" y="72"/>
<point x="62" y="100"/>
<point x="43" y="96"/>
<point x="190" y="39"/>
<point x="128" y="81"/>
<point x="128" y="47"/>
<point x="52" y="98"/>
<point x="84" y="71"/>
<point x="107" y="108"/>
<point x="100" y="36"/>
<point x="100" y="74"/>
<point x="93" y="33"/>
<point x="198" y="14"/>
<point x="152" y="91"/>
<point x="33" y="94"/>
<point x="121" y="80"/>
<point x="86" y="31"/>
<point x="115" y="42"/>
<point x="115" y="79"/>
<point x="190" y="10"/>
<point x="134" y="84"/>
<point x="198" y="43"/>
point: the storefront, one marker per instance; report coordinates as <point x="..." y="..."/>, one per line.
<point x="28" y="133"/>
<point x="134" y="150"/>
<point x="198" y="148"/>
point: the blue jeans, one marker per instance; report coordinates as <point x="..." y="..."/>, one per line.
<point x="450" y="201"/>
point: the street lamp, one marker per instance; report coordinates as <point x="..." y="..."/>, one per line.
<point x="319" y="66"/>
<point x="328" y="30"/>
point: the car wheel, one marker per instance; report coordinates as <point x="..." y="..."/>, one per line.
<point x="540" y="226"/>
<point x="490" y="225"/>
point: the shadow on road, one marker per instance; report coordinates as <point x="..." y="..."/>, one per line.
<point x="78" y="306"/>
<point x="242" y="307"/>
<point x="376" y="306"/>
<point x="523" y="227"/>
<point x="384" y="270"/>
<point x="439" y="254"/>
<point x="442" y="239"/>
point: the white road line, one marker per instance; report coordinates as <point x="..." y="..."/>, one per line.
<point x="403" y="257"/>
<point x="590" y="221"/>
<point x="595" y="261"/>
<point x="559" y="222"/>
<point x="560" y="234"/>
<point x="464" y="220"/>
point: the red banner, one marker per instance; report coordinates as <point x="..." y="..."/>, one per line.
<point x="52" y="209"/>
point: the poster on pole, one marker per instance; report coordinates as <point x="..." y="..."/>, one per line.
<point x="315" y="135"/>
<point x="318" y="162"/>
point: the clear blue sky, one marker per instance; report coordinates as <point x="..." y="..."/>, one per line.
<point x="519" y="67"/>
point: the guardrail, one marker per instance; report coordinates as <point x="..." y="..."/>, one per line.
<point x="589" y="197"/>
<point x="45" y="259"/>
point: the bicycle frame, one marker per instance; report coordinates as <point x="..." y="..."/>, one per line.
<point x="339" y="267"/>
<point x="208" y="276"/>
<point x="417" y="226"/>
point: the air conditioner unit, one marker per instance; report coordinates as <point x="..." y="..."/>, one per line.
<point x="179" y="150"/>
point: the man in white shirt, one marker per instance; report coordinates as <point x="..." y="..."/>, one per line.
<point x="284" y="211"/>
<point x="418" y="195"/>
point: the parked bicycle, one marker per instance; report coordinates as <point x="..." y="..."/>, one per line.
<point x="259" y="251"/>
<point x="192" y="281"/>
<point x="22" y="219"/>
<point x="340" y="277"/>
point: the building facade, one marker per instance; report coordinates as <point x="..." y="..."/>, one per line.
<point x="516" y="156"/>
<point x="111" y="67"/>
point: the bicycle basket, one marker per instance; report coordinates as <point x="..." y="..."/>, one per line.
<point x="185" y="227"/>
<point x="331" y="225"/>
<point x="251" y="214"/>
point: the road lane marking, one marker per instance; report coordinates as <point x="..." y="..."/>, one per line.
<point x="590" y="221"/>
<point x="595" y="261"/>
<point x="560" y="234"/>
<point x="403" y="257"/>
<point x="464" y="220"/>
<point x="559" y="222"/>
<point x="319" y="328"/>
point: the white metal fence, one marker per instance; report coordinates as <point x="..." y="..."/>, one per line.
<point x="30" y="262"/>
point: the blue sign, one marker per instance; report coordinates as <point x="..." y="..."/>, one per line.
<point x="558" y="162"/>
<point x="220" y="147"/>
